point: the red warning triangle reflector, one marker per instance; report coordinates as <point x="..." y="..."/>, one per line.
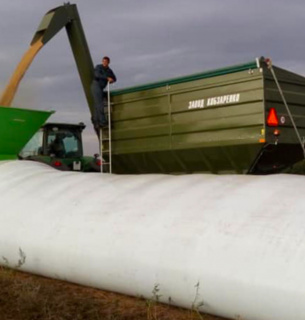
<point x="272" y="119"/>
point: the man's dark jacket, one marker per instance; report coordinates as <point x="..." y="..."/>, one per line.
<point x="101" y="74"/>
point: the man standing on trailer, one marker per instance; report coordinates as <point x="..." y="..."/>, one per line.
<point x="102" y="75"/>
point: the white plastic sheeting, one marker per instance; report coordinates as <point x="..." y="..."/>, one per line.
<point x="240" y="239"/>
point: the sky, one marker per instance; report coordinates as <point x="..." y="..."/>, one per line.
<point x="147" y="41"/>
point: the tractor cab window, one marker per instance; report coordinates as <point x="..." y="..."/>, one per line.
<point x="71" y="145"/>
<point x="34" y="146"/>
<point x="63" y="144"/>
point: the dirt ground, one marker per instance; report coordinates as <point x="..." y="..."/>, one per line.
<point x="27" y="297"/>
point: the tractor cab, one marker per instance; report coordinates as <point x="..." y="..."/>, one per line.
<point x="62" y="140"/>
<point x="60" y="146"/>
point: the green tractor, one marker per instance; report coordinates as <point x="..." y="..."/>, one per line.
<point x="60" y="146"/>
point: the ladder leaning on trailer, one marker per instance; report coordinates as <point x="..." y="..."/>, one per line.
<point x="105" y="139"/>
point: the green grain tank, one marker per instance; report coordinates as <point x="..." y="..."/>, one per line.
<point x="17" y="126"/>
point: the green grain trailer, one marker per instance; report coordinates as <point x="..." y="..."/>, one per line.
<point x="230" y="120"/>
